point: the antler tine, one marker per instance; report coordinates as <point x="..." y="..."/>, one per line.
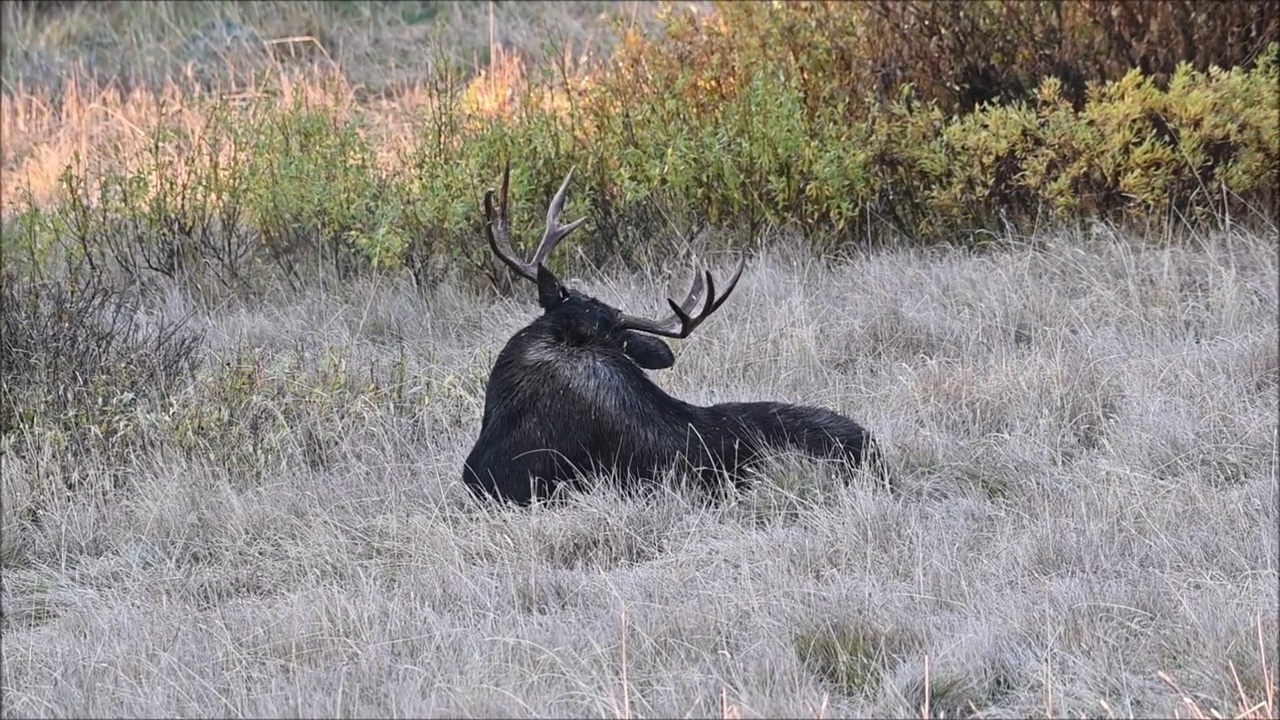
<point x="733" y="282"/>
<point x="695" y="292"/>
<point x="555" y="232"/>
<point x="496" y="227"/>
<point x="681" y="324"/>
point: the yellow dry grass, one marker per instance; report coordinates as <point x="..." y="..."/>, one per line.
<point x="91" y="80"/>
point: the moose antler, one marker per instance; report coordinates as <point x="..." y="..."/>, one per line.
<point x="497" y="228"/>
<point x="681" y="324"/>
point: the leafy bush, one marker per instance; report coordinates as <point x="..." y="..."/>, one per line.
<point x="957" y="54"/>
<point x="745" y="141"/>
<point x="757" y="115"/>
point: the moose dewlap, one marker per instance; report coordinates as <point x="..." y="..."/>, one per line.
<point x="568" y="397"/>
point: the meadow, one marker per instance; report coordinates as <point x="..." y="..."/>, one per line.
<point x="1085" y="431"/>
<point x="1083" y="422"/>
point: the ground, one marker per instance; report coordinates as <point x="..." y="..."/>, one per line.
<point x="1084" y="427"/>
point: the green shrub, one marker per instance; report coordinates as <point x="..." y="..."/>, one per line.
<point x="739" y="138"/>
<point x="757" y="115"/>
<point x="761" y="111"/>
<point x="956" y="54"/>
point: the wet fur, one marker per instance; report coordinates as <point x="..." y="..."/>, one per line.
<point x="568" y="397"/>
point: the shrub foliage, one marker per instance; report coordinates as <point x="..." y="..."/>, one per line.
<point x="929" y="121"/>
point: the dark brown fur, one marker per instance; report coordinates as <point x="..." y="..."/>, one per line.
<point x="568" y="397"/>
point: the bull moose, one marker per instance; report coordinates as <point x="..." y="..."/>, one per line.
<point x="568" y="396"/>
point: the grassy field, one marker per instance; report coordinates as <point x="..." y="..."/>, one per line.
<point x="1084" y="425"/>
<point x="1086" y="432"/>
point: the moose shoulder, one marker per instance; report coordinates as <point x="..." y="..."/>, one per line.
<point x="568" y="396"/>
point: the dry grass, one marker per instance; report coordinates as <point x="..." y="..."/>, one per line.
<point x="379" y="44"/>
<point x="1086" y="431"/>
<point x="101" y="75"/>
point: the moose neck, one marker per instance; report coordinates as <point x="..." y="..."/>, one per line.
<point x="547" y="361"/>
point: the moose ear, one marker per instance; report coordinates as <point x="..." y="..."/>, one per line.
<point x="648" y="352"/>
<point x="550" y="292"/>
